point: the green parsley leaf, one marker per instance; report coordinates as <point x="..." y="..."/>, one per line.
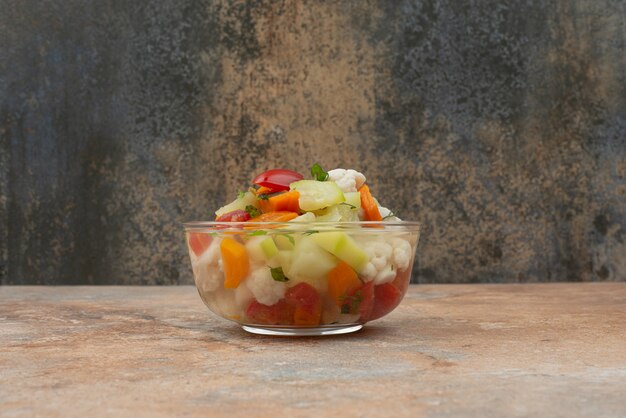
<point x="263" y="196"/>
<point x="356" y="300"/>
<point x="310" y="232"/>
<point x="240" y="194"/>
<point x="318" y="173"/>
<point x="254" y="212"/>
<point x="278" y="274"/>
<point x="351" y="303"/>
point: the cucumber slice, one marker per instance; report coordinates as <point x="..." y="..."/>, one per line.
<point x="353" y="199"/>
<point x="330" y="214"/>
<point x="261" y="248"/>
<point x="240" y="203"/>
<point x="338" y="213"/>
<point x="343" y="247"/>
<point x="348" y="214"/>
<point x="317" y="194"/>
<point x="310" y="263"/>
<point x="269" y="248"/>
<point x="282" y="259"/>
<point x="284" y="242"/>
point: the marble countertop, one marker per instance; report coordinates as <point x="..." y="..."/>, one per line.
<point x="448" y="350"/>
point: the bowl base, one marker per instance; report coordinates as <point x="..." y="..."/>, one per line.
<point x="302" y="331"/>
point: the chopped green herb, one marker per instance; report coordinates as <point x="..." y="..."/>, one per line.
<point x="266" y="196"/>
<point x="318" y="173"/>
<point x="350" y="304"/>
<point x="348" y="204"/>
<point x="254" y="212"/>
<point x="240" y="194"/>
<point x="213" y="234"/>
<point x="310" y="232"/>
<point x="258" y="232"/>
<point x="356" y="300"/>
<point x="278" y="274"/>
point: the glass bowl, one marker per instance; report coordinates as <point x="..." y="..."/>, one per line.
<point x="319" y="278"/>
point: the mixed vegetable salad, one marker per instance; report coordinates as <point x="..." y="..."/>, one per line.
<point x="300" y="272"/>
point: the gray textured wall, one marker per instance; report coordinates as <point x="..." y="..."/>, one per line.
<point x="500" y="125"/>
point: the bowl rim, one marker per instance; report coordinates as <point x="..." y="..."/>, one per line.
<point x="372" y="226"/>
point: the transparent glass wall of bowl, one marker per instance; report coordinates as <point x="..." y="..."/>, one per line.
<point x="292" y="277"/>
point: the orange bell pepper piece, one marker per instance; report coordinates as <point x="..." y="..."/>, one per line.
<point x="342" y="280"/>
<point x="287" y="201"/>
<point x="235" y="262"/>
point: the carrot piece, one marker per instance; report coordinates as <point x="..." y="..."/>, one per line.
<point x="287" y="201"/>
<point x="369" y="205"/>
<point x="263" y="190"/>
<point x="341" y="281"/>
<point x="235" y="262"/>
<point x="279" y="216"/>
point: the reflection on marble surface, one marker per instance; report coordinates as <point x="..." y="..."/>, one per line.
<point x="447" y="351"/>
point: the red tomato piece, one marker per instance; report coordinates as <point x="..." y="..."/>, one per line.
<point x="302" y="294"/>
<point x="199" y="242"/>
<point x="367" y="301"/>
<point x="386" y="298"/>
<point x="238" y="215"/>
<point x="307" y="303"/>
<point x="281" y="313"/>
<point x="402" y="280"/>
<point x="277" y="179"/>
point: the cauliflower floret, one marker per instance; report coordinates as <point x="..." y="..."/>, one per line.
<point x="385" y="259"/>
<point x="347" y="180"/>
<point x="401" y="253"/>
<point x="207" y="269"/>
<point x="243" y="296"/>
<point x="379" y="267"/>
<point x="265" y="289"/>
